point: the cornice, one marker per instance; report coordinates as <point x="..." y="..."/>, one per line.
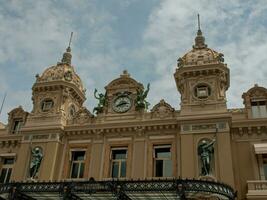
<point x="7" y="141"/>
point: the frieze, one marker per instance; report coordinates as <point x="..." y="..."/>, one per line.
<point x="249" y="132"/>
<point x="42" y="137"/>
<point x="140" y="130"/>
<point x="204" y="127"/>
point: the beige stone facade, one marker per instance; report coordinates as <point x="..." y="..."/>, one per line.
<point x="127" y="142"/>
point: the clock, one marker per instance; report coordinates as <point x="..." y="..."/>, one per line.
<point x="122" y="104"/>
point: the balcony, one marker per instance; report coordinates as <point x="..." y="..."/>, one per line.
<point x="257" y="189"/>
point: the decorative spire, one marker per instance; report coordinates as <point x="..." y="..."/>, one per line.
<point x="66" y="59"/>
<point x="200" y="39"/>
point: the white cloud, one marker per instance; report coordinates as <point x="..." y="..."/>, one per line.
<point x="34" y="35"/>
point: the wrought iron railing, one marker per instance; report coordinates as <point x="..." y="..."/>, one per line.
<point x="119" y="189"/>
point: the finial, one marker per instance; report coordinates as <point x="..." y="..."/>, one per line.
<point x="67" y="55"/>
<point x="125" y="73"/>
<point x="198" y="20"/>
<point x="70" y="38"/>
<point x="199" y="40"/>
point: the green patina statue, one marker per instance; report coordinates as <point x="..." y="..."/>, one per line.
<point x="205" y="151"/>
<point x="36" y="160"/>
<point x="140" y="102"/>
<point x="101" y="102"/>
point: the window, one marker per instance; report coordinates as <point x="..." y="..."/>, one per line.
<point x="258" y="109"/>
<point x="47" y="105"/>
<point x="77" y="164"/>
<point x="202" y="91"/>
<point x="118" y="162"/>
<point x="264" y="165"/>
<point x="16" y="125"/>
<point x="162" y="161"/>
<point x="6" y="170"/>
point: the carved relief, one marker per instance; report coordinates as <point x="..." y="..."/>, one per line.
<point x="254" y="93"/>
<point x="222" y="83"/>
<point x="17" y="114"/>
<point x="60" y="72"/>
<point x="82" y="116"/>
<point x="162" y="110"/>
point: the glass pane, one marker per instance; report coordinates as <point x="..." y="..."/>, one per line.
<point x="265" y="170"/>
<point x="115" y="169"/>
<point x="81" y="170"/>
<point x="263" y="112"/>
<point x="163" y="153"/>
<point x="78" y="155"/>
<point x="74" y="171"/>
<point x="3" y="175"/>
<point x="254" y="103"/>
<point x="167" y="166"/>
<point x="8" y="161"/>
<point x="8" y="175"/>
<point x="159" y="168"/>
<point x="123" y="169"/>
<point x="255" y="111"/>
<point x="119" y="154"/>
<point x="16" y="126"/>
<point x="261" y="103"/>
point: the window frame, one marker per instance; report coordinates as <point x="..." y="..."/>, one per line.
<point x="155" y="159"/>
<point x="256" y="111"/>
<point x="118" y="161"/>
<point x="202" y="87"/>
<point x="16" y="128"/>
<point x="79" y="162"/>
<point x="8" y="167"/>
<point x="44" y="105"/>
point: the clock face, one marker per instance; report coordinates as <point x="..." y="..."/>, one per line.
<point x="122" y="104"/>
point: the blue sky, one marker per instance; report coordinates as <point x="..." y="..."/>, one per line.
<point x="144" y="37"/>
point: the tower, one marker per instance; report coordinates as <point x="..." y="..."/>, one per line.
<point x="58" y="93"/>
<point x="202" y="78"/>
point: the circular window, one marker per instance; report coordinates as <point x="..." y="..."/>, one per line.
<point x="47" y="105"/>
<point x="202" y="91"/>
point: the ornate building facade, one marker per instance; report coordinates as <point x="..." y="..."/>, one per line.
<point x="60" y="139"/>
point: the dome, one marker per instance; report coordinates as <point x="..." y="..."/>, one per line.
<point x="60" y="72"/>
<point x="63" y="71"/>
<point x="200" y="54"/>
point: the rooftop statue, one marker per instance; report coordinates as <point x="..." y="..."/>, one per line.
<point x="101" y="102"/>
<point x="140" y="101"/>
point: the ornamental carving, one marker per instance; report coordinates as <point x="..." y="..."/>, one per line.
<point x="62" y="72"/>
<point x="254" y="93"/>
<point x="82" y="116"/>
<point x="125" y="81"/>
<point x="17" y="114"/>
<point x="162" y="110"/>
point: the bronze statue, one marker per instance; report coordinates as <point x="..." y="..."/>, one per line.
<point x="101" y="102"/>
<point x="205" y="151"/>
<point x="36" y="160"/>
<point x="140" y="101"/>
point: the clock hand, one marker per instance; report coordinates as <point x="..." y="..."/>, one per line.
<point x="122" y="103"/>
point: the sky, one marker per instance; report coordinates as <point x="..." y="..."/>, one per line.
<point x="144" y="37"/>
